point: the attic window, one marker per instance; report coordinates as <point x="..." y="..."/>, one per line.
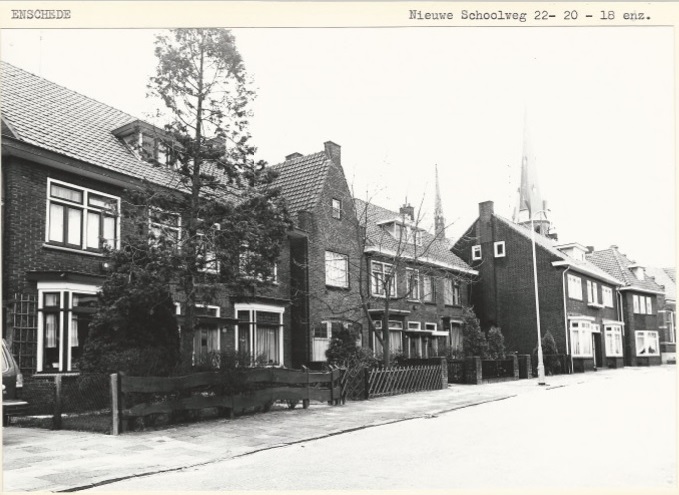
<point x="638" y="272"/>
<point x="406" y="234"/>
<point x="499" y="249"/>
<point x="476" y="252"/>
<point x="149" y="143"/>
<point x="336" y="209"/>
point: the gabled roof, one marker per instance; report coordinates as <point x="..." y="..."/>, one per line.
<point x="583" y="266"/>
<point x="434" y="251"/>
<point x="301" y="180"/>
<point x="665" y="277"/>
<point x="44" y="114"/>
<point x="617" y="264"/>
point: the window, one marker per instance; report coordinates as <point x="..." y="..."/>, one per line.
<point x="574" y="287"/>
<point x="607" y="296"/>
<point x="649" y="306"/>
<point x="414" y="325"/>
<point x="395" y="336"/>
<point x="593" y="294"/>
<point x="260" y="332"/>
<point x="635" y="303"/>
<point x="581" y="339"/>
<point x="613" y="340"/>
<point x="336" y="209"/>
<point x="165" y="226"/>
<point x="642" y="305"/>
<point x="323" y="333"/>
<point x="456" y="336"/>
<point x="431" y="327"/>
<point x="251" y="265"/>
<point x="65" y="313"/>
<point x="647" y="343"/>
<point x="499" y="249"/>
<point x="451" y="292"/>
<point x="413" y="284"/>
<point x="382" y="277"/>
<point x="476" y="252"/>
<point x="336" y="269"/>
<point x="428" y="289"/>
<point x="81" y="218"/>
<point x="206" y="338"/>
<point x="207" y="256"/>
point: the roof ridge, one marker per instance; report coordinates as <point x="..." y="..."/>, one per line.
<point x="49" y="81"/>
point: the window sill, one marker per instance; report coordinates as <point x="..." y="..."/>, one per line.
<point x="595" y="305"/>
<point x="336" y="287"/>
<point x="71" y="250"/>
<point x="52" y="374"/>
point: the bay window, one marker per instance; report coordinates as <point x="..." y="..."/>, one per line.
<point x="65" y="311"/>
<point x="647" y="343"/>
<point x="81" y="218"/>
<point x="581" y="338"/>
<point x="260" y="332"/>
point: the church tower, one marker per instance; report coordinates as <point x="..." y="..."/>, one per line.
<point x="529" y="200"/>
<point x="439" y="221"/>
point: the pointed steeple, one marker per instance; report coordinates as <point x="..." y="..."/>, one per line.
<point x="439" y="221"/>
<point x="529" y="199"/>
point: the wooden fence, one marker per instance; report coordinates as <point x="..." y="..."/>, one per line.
<point x="403" y="380"/>
<point x="169" y="395"/>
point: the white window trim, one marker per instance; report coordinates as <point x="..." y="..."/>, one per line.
<point x="412" y="273"/>
<point x="607" y="301"/>
<point x="646" y="333"/>
<point x="574" y="282"/>
<point x="339" y="256"/>
<point x="178" y="228"/>
<point x="394" y="280"/>
<point x="615" y="331"/>
<point x="584" y="337"/>
<point x="253" y="309"/>
<point x="499" y="249"/>
<point x="414" y="325"/>
<point x="476" y="252"/>
<point x="84" y="207"/>
<point x="337" y="209"/>
<point x="433" y="327"/>
<point x="61" y="288"/>
<point x="649" y="306"/>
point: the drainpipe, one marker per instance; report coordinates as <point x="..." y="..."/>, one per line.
<point x="565" y="313"/>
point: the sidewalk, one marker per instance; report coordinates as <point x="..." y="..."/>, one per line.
<point x="47" y="460"/>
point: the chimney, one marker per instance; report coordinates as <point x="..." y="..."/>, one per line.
<point x="334" y="152"/>
<point x="292" y="156"/>
<point x="407" y="211"/>
<point x="613" y="246"/>
<point x="590" y="249"/>
<point x="486" y="210"/>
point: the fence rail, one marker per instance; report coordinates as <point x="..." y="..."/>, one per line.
<point x="402" y="380"/>
<point x="138" y="397"/>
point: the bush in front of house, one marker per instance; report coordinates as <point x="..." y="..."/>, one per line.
<point x="134" y="329"/>
<point x="550" y="353"/>
<point x="496" y="343"/>
<point x="474" y="341"/>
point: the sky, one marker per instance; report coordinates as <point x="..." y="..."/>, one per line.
<point x="598" y="104"/>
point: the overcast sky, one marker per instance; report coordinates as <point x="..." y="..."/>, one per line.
<point x="400" y="100"/>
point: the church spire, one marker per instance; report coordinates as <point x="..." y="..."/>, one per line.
<point x="529" y="198"/>
<point x="439" y="221"/>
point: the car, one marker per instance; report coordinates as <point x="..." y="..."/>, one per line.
<point x="12" y="386"/>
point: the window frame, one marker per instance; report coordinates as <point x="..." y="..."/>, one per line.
<point x="85" y="208"/>
<point x="65" y="311"/>
<point x="253" y="309"/>
<point x="613" y="340"/>
<point x="581" y="338"/>
<point x="573" y="282"/>
<point x="428" y="297"/>
<point x="607" y="296"/>
<point x="499" y="249"/>
<point x="645" y="334"/>
<point x="336" y="208"/>
<point x="413" y="291"/>
<point x="380" y="291"/>
<point x="476" y="252"/>
<point x="329" y="270"/>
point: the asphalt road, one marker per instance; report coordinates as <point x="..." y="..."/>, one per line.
<point x="617" y="433"/>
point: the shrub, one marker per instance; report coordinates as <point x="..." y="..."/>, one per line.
<point x="134" y="329"/>
<point x="550" y="353"/>
<point x="474" y="341"/>
<point x="496" y="343"/>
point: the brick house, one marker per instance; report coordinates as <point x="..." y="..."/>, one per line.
<point x="431" y="286"/>
<point x="66" y="163"/>
<point x="667" y="312"/>
<point x="579" y="302"/>
<point x="641" y="298"/>
<point x="324" y="251"/>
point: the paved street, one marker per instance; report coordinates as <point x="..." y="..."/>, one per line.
<point x="611" y="429"/>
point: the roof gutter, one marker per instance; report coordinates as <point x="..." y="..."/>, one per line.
<point x="565" y="313"/>
<point x="583" y="269"/>
<point x="424" y="260"/>
<point x="639" y="289"/>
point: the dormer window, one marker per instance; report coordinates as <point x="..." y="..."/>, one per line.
<point x="403" y="232"/>
<point x="149" y="143"/>
<point x="638" y="271"/>
<point x="574" y="250"/>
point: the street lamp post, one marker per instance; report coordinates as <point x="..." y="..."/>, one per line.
<point x="541" y="366"/>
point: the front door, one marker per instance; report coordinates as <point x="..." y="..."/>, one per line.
<point x="596" y="350"/>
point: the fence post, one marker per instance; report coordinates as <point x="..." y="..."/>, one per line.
<point x="366" y="382"/>
<point x="115" y="405"/>
<point x="444" y="373"/>
<point x="305" y="402"/>
<point x="515" y="362"/>
<point x="56" y="418"/>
